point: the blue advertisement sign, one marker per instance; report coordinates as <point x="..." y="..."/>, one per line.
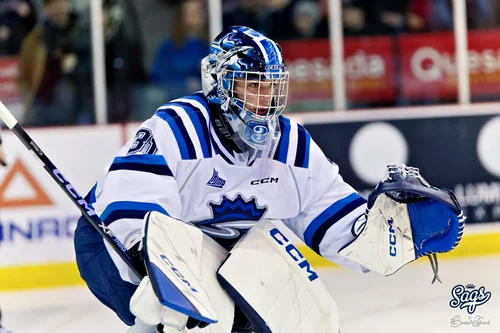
<point x="459" y="153"/>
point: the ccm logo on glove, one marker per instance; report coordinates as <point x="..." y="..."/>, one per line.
<point x="176" y="271"/>
<point x="294" y="253"/>
<point x="392" y="238"/>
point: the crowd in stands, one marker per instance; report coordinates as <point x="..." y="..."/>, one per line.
<point x="147" y="64"/>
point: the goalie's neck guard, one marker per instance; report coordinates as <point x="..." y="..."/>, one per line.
<point x="233" y="142"/>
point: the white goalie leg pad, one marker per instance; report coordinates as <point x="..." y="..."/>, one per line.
<point x="386" y="242"/>
<point x="271" y="276"/>
<point x="192" y="256"/>
<point x="212" y="256"/>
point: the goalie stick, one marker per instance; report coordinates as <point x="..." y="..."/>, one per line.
<point x="87" y="212"/>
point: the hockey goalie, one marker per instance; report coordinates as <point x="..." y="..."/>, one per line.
<point x="197" y="193"/>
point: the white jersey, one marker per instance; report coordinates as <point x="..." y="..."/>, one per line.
<point x="180" y="163"/>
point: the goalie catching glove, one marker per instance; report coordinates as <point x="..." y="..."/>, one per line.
<point x="406" y="219"/>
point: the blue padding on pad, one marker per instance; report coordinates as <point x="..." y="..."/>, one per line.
<point x="168" y="294"/>
<point x="435" y="227"/>
<point x="171" y="296"/>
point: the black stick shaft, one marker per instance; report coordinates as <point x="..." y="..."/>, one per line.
<point x="87" y="212"/>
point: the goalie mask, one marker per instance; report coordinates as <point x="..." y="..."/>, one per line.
<point x="245" y="75"/>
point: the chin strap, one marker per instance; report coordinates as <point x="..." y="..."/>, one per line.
<point x="225" y="105"/>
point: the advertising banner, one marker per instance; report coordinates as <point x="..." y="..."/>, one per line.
<point x="37" y="219"/>
<point x="419" y="67"/>
<point x="9" y="92"/>
<point x="428" y="65"/>
<point x="369" y="69"/>
<point x="459" y="153"/>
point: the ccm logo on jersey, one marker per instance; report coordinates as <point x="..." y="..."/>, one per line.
<point x="294" y="253"/>
<point x="268" y="180"/>
<point x="179" y="274"/>
<point x="392" y="238"/>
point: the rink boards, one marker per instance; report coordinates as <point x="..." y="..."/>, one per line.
<point x="59" y="274"/>
<point x="37" y="220"/>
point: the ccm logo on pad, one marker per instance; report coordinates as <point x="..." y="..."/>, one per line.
<point x="294" y="253"/>
<point x="178" y="273"/>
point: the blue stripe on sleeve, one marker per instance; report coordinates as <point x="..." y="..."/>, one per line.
<point x="307" y="149"/>
<point x="278" y="147"/>
<point x="319" y="226"/>
<point x="141" y="158"/>
<point x="142" y="162"/>
<point x="129" y="209"/>
<point x="124" y="214"/>
<point x="206" y="135"/>
<point x="200" y="98"/>
<point x="303" y="144"/>
<point x="285" y="139"/>
<point x="90" y="197"/>
<point x="184" y="142"/>
<point x="200" y="126"/>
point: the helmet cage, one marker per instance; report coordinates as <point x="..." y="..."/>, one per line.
<point x="251" y="86"/>
<point x="261" y="95"/>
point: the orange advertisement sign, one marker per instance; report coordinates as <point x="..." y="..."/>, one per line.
<point x="39" y="197"/>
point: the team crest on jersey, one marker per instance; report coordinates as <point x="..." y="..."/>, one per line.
<point x="216" y="180"/>
<point x="231" y="219"/>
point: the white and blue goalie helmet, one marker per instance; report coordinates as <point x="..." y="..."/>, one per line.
<point x="245" y="74"/>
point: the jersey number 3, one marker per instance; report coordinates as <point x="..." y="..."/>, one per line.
<point x="144" y="143"/>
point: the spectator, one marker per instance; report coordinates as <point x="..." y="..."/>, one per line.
<point x="280" y="14"/>
<point x="419" y="16"/>
<point x="17" y="19"/>
<point x="481" y="14"/>
<point x="177" y="63"/>
<point x="246" y="12"/>
<point x="442" y="16"/>
<point x="385" y="16"/>
<point x="353" y="15"/>
<point x="54" y="66"/>
<point x="147" y="20"/>
<point x="366" y="17"/>
<point x="307" y="21"/>
<point x="124" y="63"/>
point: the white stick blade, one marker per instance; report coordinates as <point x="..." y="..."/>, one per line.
<point x="6" y="116"/>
